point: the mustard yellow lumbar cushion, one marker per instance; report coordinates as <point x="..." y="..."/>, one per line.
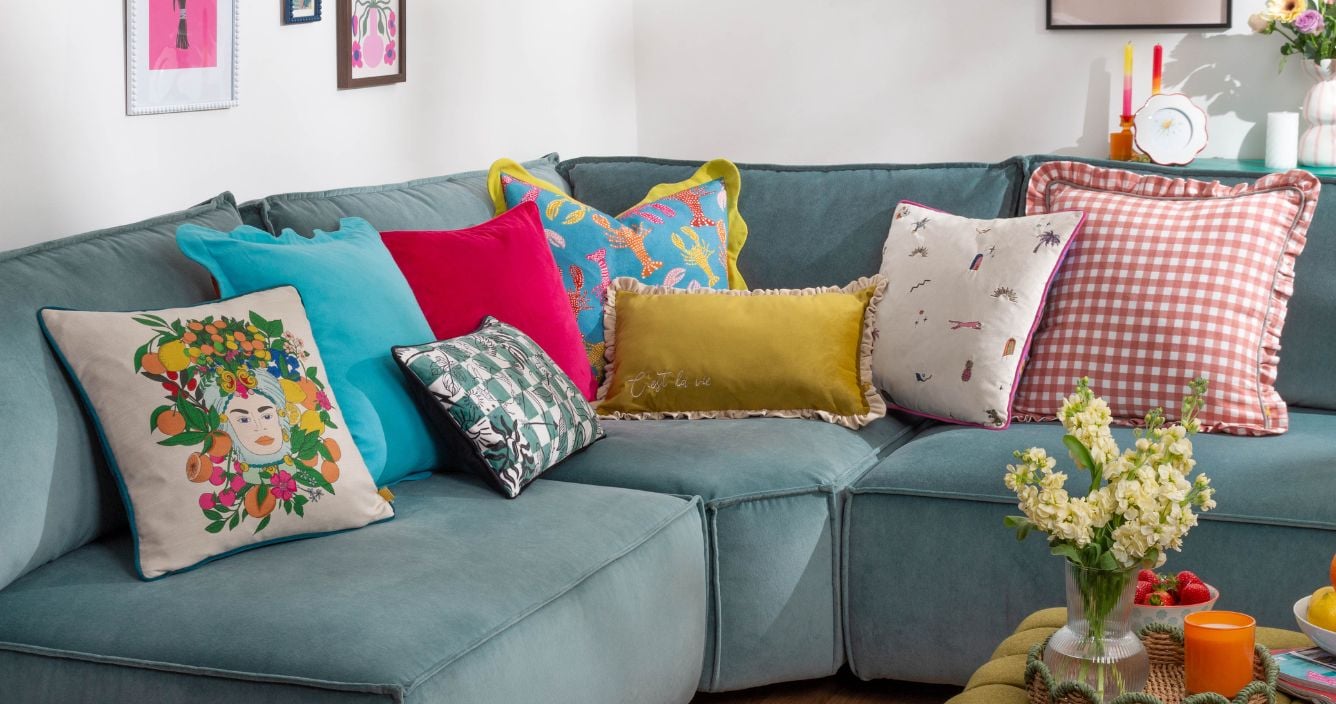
<point x="706" y="353"/>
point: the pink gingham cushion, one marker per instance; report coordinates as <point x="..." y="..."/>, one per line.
<point x="1171" y="279"/>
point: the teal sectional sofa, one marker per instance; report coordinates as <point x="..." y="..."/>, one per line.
<point x="670" y="557"/>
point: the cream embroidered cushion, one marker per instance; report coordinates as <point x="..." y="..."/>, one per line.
<point x="218" y="425"/>
<point x="963" y="301"/>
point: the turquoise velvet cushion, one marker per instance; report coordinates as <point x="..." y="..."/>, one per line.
<point x="1266" y="544"/>
<point x="438" y="203"/>
<point x="55" y="492"/>
<point x="359" y="305"/>
<point x="812" y="225"/>
<point x="572" y="594"/>
<point x="1306" y="376"/>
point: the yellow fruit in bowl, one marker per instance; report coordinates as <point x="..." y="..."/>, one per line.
<point x="1322" y="609"/>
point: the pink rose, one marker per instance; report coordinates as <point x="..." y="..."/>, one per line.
<point x="1310" y="22"/>
<point x="207" y="501"/>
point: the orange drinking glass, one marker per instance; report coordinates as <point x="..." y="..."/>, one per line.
<point x="1218" y="651"/>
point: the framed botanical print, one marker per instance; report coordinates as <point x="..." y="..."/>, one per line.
<point x="1139" y="14"/>
<point x="299" y="11"/>
<point x="180" y="55"/>
<point x="372" y="46"/>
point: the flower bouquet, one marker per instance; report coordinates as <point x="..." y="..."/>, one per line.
<point x="1140" y="505"/>
<point x="1309" y="32"/>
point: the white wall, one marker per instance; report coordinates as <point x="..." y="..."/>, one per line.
<point x="820" y="81"/>
<point x="517" y="78"/>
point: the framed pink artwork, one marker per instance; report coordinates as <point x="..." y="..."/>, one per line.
<point x="372" y="46"/>
<point x="180" y="55"/>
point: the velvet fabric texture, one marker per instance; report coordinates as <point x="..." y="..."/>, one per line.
<point x="55" y="491"/>
<point x="774" y="493"/>
<point x="575" y="594"/>
<point x="447" y="202"/>
<point x="733" y="354"/>
<point x="502" y="268"/>
<point x="952" y="477"/>
<point x="814" y="225"/>
<point x="359" y="306"/>
<point x="246" y="445"/>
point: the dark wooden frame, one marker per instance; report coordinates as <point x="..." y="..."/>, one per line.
<point x="343" y="16"/>
<point x="1226" y="24"/>
<point x="289" y="19"/>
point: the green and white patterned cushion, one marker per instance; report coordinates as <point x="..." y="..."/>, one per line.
<point x="506" y="409"/>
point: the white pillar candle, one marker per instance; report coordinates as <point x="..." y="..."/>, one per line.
<point x="1282" y="140"/>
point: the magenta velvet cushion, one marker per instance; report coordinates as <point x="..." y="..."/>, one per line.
<point x="502" y="268"/>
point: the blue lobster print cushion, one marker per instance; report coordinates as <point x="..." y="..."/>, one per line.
<point x="506" y="410"/>
<point x="219" y="424"/>
<point x="968" y="297"/>
<point x="682" y="235"/>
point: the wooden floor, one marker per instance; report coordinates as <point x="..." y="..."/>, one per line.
<point x="843" y="688"/>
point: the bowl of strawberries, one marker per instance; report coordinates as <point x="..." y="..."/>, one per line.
<point x="1167" y="598"/>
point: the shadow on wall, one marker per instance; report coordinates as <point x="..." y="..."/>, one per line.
<point x="1229" y="75"/>
<point x="1094" y="139"/>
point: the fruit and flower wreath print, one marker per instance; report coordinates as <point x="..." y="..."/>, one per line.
<point x="219" y="422"/>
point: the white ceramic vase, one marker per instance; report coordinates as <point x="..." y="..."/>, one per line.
<point x="1317" y="145"/>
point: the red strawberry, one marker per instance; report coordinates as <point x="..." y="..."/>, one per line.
<point x="1143" y="590"/>
<point x="1194" y="593"/>
<point x="1146" y="576"/>
<point x="1161" y="598"/>
<point x="1185" y="578"/>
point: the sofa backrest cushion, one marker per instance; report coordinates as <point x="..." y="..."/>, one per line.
<point x="439" y="203"/>
<point x="55" y="491"/>
<point x="1306" y="376"/>
<point x="811" y="225"/>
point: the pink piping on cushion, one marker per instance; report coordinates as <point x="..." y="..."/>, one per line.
<point x="1034" y="326"/>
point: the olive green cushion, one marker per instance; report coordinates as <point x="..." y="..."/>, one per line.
<point x="1002" y="679"/>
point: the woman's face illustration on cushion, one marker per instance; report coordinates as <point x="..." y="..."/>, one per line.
<point x="255" y="424"/>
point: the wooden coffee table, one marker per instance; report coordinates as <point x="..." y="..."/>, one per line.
<point x="1001" y="680"/>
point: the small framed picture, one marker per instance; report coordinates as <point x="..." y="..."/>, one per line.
<point x="372" y="46"/>
<point x="1139" y="14"/>
<point x="180" y="55"/>
<point x="299" y="11"/>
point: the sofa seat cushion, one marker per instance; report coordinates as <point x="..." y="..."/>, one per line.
<point x="774" y="490"/>
<point x="725" y="459"/>
<point x="931" y="513"/>
<point x="1265" y="480"/>
<point x="570" y="593"/>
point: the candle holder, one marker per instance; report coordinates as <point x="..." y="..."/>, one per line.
<point x="1120" y="143"/>
<point x="1164" y="645"/>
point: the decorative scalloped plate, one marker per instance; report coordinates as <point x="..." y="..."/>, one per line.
<point x="1170" y="129"/>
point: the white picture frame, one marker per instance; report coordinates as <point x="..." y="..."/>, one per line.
<point x="181" y="55"/>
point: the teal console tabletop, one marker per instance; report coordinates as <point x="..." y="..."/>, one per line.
<point x="1255" y="165"/>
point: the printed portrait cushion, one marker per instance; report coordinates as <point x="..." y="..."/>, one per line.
<point x="675" y="353"/>
<point x="1170" y="279"/>
<point x="682" y="235"/>
<point x="505" y="408"/>
<point x="968" y="296"/>
<point x="220" y="425"/>
<point x="359" y="306"/>
<point x="501" y="268"/>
